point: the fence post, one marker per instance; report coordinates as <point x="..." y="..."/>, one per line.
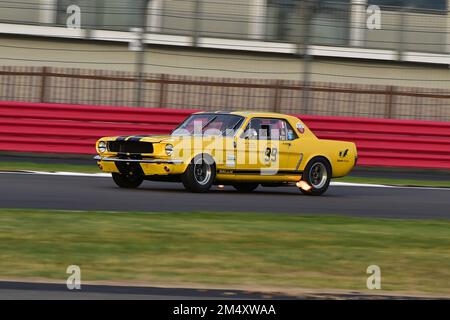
<point x="44" y="83"/>
<point x="388" y="110"/>
<point x="197" y="22"/>
<point x="140" y="55"/>
<point x="139" y="74"/>
<point x="162" y="90"/>
<point x="402" y="35"/>
<point x="308" y="9"/>
<point x="277" y="96"/>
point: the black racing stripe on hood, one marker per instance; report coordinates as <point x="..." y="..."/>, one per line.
<point x="136" y="138"/>
<point x="121" y="138"/>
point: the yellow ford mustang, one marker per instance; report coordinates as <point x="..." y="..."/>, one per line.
<point x="242" y="149"/>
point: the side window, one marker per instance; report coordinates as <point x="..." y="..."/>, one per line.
<point x="252" y="131"/>
<point x="282" y="130"/>
<point x="268" y="129"/>
<point x="290" y="133"/>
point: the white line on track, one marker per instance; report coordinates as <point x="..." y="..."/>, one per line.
<point x="60" y="173"/>
<point x="108" y="175"/>
<point x="368" y="185"/>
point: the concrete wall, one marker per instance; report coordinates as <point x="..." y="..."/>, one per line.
<point x="217" y="19"/>
<point x="88" y="14"/>
<point x="178" y="17"/>
<point x="69" y="53"/>
<point x="115" y="56"/>
<point x="235" y="19"/>
<point x="26" y="12"/>
<point x="228" y="21"/>
<point x="421" y="32"/>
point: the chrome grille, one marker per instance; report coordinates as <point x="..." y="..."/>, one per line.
<point x="130" y="147"/>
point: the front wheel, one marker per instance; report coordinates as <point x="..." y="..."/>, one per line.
<point x="317" y="175"/>
<point x="200" y="174"/>
<point x="129" y="181"/>
<point x="245" y="187"/>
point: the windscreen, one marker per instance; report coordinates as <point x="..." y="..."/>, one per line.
<point x="209" y="124"/>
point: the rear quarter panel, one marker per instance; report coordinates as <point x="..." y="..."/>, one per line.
<point x="341" y="155"/>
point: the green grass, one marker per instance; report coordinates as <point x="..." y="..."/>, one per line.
<point x="227" y="249"/>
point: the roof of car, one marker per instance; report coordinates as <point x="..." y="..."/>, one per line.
<point x="248" y="113"/>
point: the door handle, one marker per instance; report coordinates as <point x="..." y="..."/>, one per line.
<point x="287" y="144"/>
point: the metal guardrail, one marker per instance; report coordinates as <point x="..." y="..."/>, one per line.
<point x="64" y="128"/>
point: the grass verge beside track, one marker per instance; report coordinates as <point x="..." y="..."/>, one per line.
<point x="227" y="250"/>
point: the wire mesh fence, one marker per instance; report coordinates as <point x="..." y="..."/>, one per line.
<point x="118" y="88"/>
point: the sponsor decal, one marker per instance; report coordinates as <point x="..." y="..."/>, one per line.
<point x="343" y="156"/>
<point x="300" y="127"/>
<point x="223" y="171"/>
<point x="231" y="161"/>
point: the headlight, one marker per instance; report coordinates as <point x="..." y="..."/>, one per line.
<point x="102" y="146"/>
<point x="169" y="149"/>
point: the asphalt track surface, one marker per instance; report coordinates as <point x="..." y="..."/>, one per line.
<point x="10" y="290"/>
<point x="21" y="190"/>
<point x="368" y="172"/>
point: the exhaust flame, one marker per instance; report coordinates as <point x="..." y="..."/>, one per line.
<point x="303" y="185"/>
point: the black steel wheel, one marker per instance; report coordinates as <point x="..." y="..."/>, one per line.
<point x="317" y="175"/>
<point x="245" y="187"/>
<point x="200" y="174"/>
<point x="129" y="181"/>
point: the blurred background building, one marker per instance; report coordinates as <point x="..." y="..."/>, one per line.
<point x="295" y="56"/>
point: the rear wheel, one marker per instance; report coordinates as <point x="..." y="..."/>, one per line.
<point x="317" y="175"/>
<point x="200" y="174"/>
<point x="128" y="181"/>
<point x="245" y="187"/>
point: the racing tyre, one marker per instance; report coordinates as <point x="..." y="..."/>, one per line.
<point x="127" y="181"/>
<point x="318" y="175"/>
<point x="200" y="174"/>
<point x="245" y="187"/>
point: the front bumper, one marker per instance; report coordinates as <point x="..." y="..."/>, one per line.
<point x="159" y="161"/>
<point x="148" y="166"/>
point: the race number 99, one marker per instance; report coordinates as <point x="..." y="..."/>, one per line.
<point x="271" y="155"/>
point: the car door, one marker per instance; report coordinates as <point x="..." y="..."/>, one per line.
<point x="284" y="146"/>
<point x="290" y="146"/>
<point x="253" y="148"/>
<point x="267" y="144"/>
